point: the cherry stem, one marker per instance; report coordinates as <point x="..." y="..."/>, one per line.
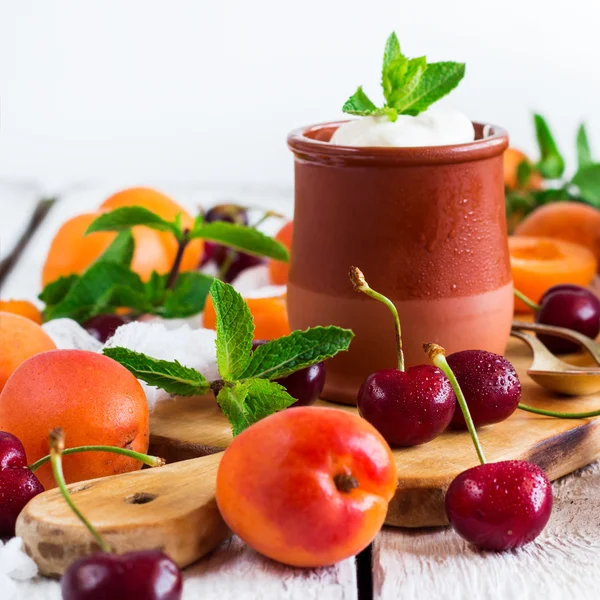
<point x="151" y="461"/>
<point x="437" y="356"/>
<point x="267" y="215"/>
<point x="57" y="445"/>
<point x="560" y="415"/>
<point x="360" y="285"/>
<point x="181" y="246"/>
<point x="229" y="258"/>
<point x="521" y="296"/>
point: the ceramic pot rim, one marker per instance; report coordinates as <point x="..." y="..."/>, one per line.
<point x="307" y="148"/>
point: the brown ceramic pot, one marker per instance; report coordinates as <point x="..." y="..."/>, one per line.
<point x="425" y="225"/>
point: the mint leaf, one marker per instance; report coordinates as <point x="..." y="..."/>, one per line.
<point x="524" y="171"/>
<point x="405" y="79"/>
<point x="438" y="80"/>
<point x="587" y="181"/>
<point x="235" y="330"/>
<point x="188" y="297"/>
<point x="246" y="402"/>
<point x="170" y="376"/>
<point x="125" y="218"/>
<point x="55" y="291"/>
<point x="283" y="356"/>
<point x="359" y="104"/>
<point x="584" y="154"/>
<point x="155" y="288"/>
<point x="120" y="250"/>
<point x="551" y="164"/>
<point x="92" y="291"/>
<point x="392" y="51"/>
<point x="239" y="237"/>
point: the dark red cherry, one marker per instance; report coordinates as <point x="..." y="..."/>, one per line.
<point x="144" y="575"/>
<point x="572" y="307"/>
<point x="236" y="261"/>
<point x="230" y="213"/>
<point x="500" y="506"/>
<point x="104" y="326"/>
<point x="407" y="407"/>
<point x="490" y="385"/>
<point x="18" y="485"/>
<point x="305" y="385"/>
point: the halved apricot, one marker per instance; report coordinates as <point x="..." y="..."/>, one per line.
<point x="569" y="221"/>
<point x="270" y="316"/>
<point x="538" y="263"/>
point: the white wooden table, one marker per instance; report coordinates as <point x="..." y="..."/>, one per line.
<point x="401" y="564"/>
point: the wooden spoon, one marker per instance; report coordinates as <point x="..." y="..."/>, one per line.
<point x="568" y="334"/>
<point x="556" y="375"/>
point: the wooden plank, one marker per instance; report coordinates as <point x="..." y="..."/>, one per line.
<point x="561" y="563"/>
<point x="195" y="426"/>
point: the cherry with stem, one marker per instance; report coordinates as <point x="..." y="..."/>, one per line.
<point x="408" y="407"/>
<point x="495" y="506"/>
<point x="141" y="574"/>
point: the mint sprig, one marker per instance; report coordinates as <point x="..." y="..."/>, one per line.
<point x="246" y="392"/>
<point x="410" y="85"/>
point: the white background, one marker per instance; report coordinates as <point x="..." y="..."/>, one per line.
<point x="138" y="91"/>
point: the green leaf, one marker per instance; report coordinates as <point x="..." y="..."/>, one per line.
<point x="55" y="291"/>
<point x="551" y="164"/>
<point x="155" y="288"/>
<point x="359" y="104"/>
<point x="587" y="181"/>
<point x="235" y="330"/>
<point x="120" y="250"/>
<point x="188" y="297"/>
<point x="392" y="50"/>
<point x="170" y="376"/>
<point x="412" y="75"/>
<point x="239" y="237"/>
<point x="246" y="402"/>
<point x="122" y="219"/>
<point x="584" y="154"/>
<point x="524" y="171"/>
<point x="298" y="350"/>
<point x="438" y="80"/>
<point x="93" y="291"/>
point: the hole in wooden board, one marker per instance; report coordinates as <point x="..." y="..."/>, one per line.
<point x="140" y="498"/>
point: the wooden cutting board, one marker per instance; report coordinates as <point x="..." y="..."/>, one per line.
<point x="174" y="507"/>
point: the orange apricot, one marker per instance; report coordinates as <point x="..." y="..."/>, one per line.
<point x="538" y="263"/>
<point x="569" y="221"/>
<point x="72" y="251"/>
<point x="308" y="486"/>
<point x="270" y="316"/>
<point x="20" y="339"/>
<point x="279" y="270"/>
<point x="512" y="159"/>
<point x="22" y="307"/>
<point x="166" y="208"/>
<point x="91" y="397"/>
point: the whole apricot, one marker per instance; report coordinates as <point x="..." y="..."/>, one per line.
<point x="512" y="159"/>
<point x="279" y="270"/>
<point x="20" y="339"/>
<point x="22" y="307"/>
<point x="307" y="486"/>
<point x="72" y="251"/>
<point x="166" y="208"/>
<point x="91" y="397"/>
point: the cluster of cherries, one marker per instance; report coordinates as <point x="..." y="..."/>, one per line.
<point x="496" y="506"/>
<point x="144" y="574"/>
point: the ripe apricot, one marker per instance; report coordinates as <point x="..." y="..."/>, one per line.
<point x="22" y="307"/>
<point x="20" y="339"/>
<point x="280" y="270"/>
<point x="308" y="486"/>
<point x="512" y="159"/>
<point x="72" y="251"/>
<point x="538" y="263"/>
<point x="91" y="397"/>
<point x="569" y="221"/>
<point x="270" y="316"/>
<point x="166" y="208"/>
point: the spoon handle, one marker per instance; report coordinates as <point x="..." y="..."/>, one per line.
<point x="564" y="333"/>
<point x="542" y="357"/>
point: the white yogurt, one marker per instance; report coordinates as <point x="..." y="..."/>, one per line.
<point x="434" y="127"/>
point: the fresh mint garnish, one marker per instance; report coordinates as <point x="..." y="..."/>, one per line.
<point x="587" y="181"/>
<point x="551" y="164"/>
<point x="126" y="217"/>
<point x="120" y="250"/>
<point x="170" y="376"/>
<point x="245" y="393"/>
<point x="410" y="85"/>
<point x="584" y="153"/>
<point x="55" y="292"/>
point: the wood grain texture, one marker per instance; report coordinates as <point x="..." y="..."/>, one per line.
<point x="172" y="508"/>
<point x="195" y="426"/>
